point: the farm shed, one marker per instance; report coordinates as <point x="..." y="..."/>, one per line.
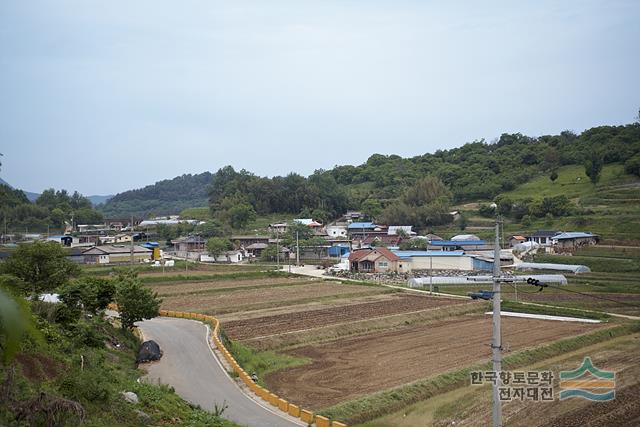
<point x="436" y="260"/>
<point x="115" y="254"/>
<point x="572" y="240"/>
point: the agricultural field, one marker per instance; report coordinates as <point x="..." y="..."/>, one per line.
<point x="613" y="285"/>
<point x="354" y="367"/>
<point x="330" y="346"/>
<point x="471" y="405"/>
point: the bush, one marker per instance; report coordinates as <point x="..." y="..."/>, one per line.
<point x="89" y="385"/>
<point x="632" y="166"/>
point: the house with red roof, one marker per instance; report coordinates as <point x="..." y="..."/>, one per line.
<point x="516" y="240"/>
<point x="376" y="260"/>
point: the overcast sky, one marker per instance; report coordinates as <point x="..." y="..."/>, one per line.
<point x="113" y="95"/>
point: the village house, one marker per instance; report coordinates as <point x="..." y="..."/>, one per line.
<point x="378" y="260"/>
<point x="542" y="237"/>
<point x="118" y="238"/>
<point x="255" y="249"/>
<point x="314" y="225"/>
<point x="334" y="231"/>
<point x="115" y="254"/>
<point x="401" y="230"/>
<point x="352" y="216"/>
<point x="278" y="228"/>
<point x="572" y="240"/>
<point x="516" y="240"/>
<point x="457" y="245"/>
<point x="189" y="244"/>
<point x="381" y="239"/>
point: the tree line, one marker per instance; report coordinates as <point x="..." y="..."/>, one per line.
<point x="419" y="190"/>
<point x="479" y="170"/>
<point x="51" y="210"/>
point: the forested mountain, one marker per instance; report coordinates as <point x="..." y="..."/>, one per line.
<point x="51" y="210"/>
<point x="164" y="197"/>
<point x="387" y="185"/>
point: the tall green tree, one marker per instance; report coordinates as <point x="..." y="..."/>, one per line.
<point x="593" y="166"/>
<point x="216" y="246"/>
<point x="135" y="302"/>
<point x="41" y="266"/>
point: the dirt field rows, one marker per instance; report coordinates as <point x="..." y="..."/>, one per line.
<point x="358" y="339"/>
<point x="357" y="366"/>
<point x="196" y="287"/>
<point x="281" y="323"/>
<point x="253" y="298"/>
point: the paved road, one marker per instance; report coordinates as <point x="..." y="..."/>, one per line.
<point x="190" y="367"/>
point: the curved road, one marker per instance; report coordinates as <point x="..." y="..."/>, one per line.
<point x="189" y="365"/>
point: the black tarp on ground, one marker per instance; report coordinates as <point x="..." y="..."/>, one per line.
<point x="149" y="351"/>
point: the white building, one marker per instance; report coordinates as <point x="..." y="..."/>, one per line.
<point x="334" y="231"/>
<point x="436" y="260"/>
<point x="232" y="257"/>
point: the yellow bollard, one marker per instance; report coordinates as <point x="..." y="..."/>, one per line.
<point x="306" y="416"/>
<point x="273" y="399"/>
<point x="283" y="405"/>
<point x="294" y="410"/>
<point x="338" y="424"/>
<point x="322" y="421"/>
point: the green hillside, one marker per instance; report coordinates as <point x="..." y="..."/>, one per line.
<point x="169" y="196"/>
<point x="515" y="171"/>
<point x="610" y="208"/>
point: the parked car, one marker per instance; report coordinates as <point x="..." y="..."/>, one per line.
<point x="482" y="294"/>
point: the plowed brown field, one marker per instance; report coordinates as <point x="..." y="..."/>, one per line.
<point x="255" y="298"/>
<point x="353" y="367"/>
<point x="195" y="287"/>
<point x="281" y="323"/>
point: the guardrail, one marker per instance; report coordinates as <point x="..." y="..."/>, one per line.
<point x="274" y="400"/>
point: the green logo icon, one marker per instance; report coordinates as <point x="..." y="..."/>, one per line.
<point x="588" y="382"/>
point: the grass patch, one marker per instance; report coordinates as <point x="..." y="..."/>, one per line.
<point x="260" y="362"/>
<point x="388" y="401"/>
<point x="598" y="264"/>
<point x="572" y="182"/>
<point x="552" y="311"/>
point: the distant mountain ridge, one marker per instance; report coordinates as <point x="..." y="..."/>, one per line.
<point x="95" y="200"/>
<point x="169" y="196"/>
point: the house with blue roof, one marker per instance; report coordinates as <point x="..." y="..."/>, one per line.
<point x="361" y="226"/>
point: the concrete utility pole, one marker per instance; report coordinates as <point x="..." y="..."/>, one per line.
<point x="297" y="251"/>
<point x="277" y="251"/>
<point x="431" y="274"/>
<point x="131" y="240"/>
<point x="496" y="342"/>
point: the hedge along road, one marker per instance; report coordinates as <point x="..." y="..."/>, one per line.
<point x="189" y="365"/>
